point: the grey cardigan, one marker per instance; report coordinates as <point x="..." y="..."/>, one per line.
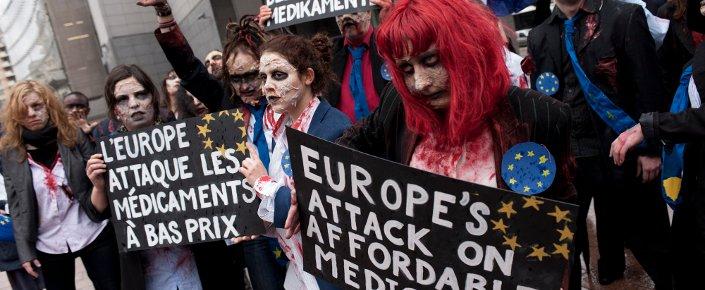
<point x="22" y="198"/>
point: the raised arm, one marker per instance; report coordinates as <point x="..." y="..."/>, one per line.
<point x="193" y="74"/>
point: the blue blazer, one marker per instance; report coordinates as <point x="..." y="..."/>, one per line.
<point x="328" y="123"/>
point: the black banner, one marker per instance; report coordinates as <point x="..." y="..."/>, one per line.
<point x="369" y="223"/>
<point x="290" y="12"/>
<point x="179" y="183"/>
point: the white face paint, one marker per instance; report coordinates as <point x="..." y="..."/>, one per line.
<point x="243" y="70"/>
<point x="426" y="78"/>
<point x="283" y="85"/>
<point x="133" y="104"/>
<point x="37" y="115"/>
<point x="354" y="25"/>
<point x="702" y="7"/>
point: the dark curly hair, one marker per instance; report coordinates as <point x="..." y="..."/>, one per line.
<point x="303" y="53"/>
<point x="243" y="37"/>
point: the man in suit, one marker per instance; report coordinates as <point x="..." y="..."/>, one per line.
<point x="358" y="66"/>
<point x="601" y="57"/>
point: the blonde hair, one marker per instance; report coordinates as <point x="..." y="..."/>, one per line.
<point x="14" y="111"/>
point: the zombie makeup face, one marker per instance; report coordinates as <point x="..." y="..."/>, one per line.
<point x="283" y="85"/>
<point x="214" y="63"/>
<point x="702" y="7"/>
<point x="37" y="115"/>
<point x="426" y="78"/>
<point x="243" y="70"/>
<point x="353" y="26"/>
<point x="76" y="105"/>
<point x="134" y="104"/>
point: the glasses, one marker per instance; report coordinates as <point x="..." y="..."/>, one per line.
<point x="247" y="77"/>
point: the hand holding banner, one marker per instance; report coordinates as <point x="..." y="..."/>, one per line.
<point x="367" y="223"/>
<point x="179" y="183"/>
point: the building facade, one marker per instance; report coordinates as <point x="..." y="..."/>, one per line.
<point x="80" y="51"/>
<point x="30" y="45"/>
<point x="126" y="31"/>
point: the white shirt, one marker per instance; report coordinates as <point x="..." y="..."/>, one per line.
<point x="63" y="225"/>
<point x="693" y="95"/>
<point x="296" y="277"/>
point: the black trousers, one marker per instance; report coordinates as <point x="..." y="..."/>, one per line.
<point x="100" y="258"/>
<point x="219" y="265"/>
<point x="689" y="239"/>
<point x="628" y="213"/>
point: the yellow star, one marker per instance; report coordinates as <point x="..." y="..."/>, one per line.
<point x="241" y="147"/>
<point x="532" y="202"/>
<point x="208" y="118"/>
<point x="512" y="181"/>
<point x="518" y="156"/>
<point x="277" y="253"/>
<point x="222" y="113"/>
<point x="507" y="208"/>
<point x="511" y="242"/>
<point x="203" y="130"/>
<point x="562" y="250"/>
<point x="543" y="159"/>
<point x="539" y="184"/>
<point x="565" y="233"/>
<point x="510" y="167"/>
<point x="500" y="226"/>
<point x="208" y="144"/>
<point x="244" y="131"/>
<point x="238" y="115"/>
<point x="560" y="215"/>
<point x="530" y="154"/>
<point x="546" y="172"/>
<point x="538" y="252"/>
<point x="527" y="189"/>
<point x="221" y="149"/>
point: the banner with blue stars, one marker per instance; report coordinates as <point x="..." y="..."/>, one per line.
<point x="377" y="223"/>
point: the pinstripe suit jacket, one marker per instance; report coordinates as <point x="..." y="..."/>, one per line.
<point x="524" y="115"/>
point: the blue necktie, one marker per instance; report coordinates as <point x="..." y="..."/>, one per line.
<point x="356" y="87"/>
<point x="259" y="139"/>
<point x="672" y="166"/>
<point x="614" y="116"/>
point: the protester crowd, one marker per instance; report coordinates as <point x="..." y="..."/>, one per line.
<point x="609" y="90"/>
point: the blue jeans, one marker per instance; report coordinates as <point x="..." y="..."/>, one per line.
<point x="265" y="273"/>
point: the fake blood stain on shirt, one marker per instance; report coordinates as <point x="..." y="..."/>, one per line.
<point x="472" y="162"/>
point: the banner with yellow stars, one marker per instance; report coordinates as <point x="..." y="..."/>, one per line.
<point x="368" y="223"/>
<point x="179" y="183"/>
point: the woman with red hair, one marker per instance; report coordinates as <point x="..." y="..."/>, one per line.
<point x="452" y="110"/>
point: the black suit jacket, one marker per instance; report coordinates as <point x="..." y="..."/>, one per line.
<point x="676" y="51"/>
<point x="687" y="127"/>
<point x="618" y="55"/>
<point x="340" y="58"/>
<point x="524" y="115"/>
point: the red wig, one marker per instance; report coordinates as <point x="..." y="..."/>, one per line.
<point x="470" y="48"/>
